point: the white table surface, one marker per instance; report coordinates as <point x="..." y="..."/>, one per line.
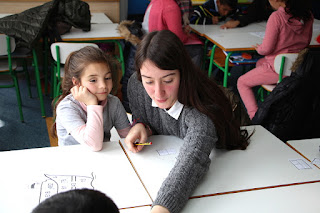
<point x="143" y="209"/>
<point x="293" y="199"/>
<point x="100" y="18"/>
<point x="98" y="32"/>
<point x="23" y="175"/>
<point x="265" y="163"/>
<point x="240" y="39"/>
<point x="307" y="147"/>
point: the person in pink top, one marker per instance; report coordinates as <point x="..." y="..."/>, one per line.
<point x="166" y="15"/>
<point x="85" y="112"/>
<point x="288" y="30"/>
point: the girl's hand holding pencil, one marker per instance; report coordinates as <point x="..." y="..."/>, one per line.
<point x="137" y="133"/>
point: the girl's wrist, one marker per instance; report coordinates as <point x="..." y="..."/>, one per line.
<point x="148" y="129"/>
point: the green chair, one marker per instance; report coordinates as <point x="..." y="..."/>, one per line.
<point x="282" y="65"/>
<point x="60" y="51"/>
<point x="8" y="67"/>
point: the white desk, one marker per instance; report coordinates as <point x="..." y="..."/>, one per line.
<point x="143" y="209"/>
<point x="239" y="39"/>
<point x="100" y="18"/>
<point x="265" y="163"/>
<point x="293" y="199"/>
<point x="108" y="171"/>
<point x="100" y="31"/>
<point x="236" y="39"/>
<point x="309" y="148"/>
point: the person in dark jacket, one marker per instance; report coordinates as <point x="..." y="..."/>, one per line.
<point x="30" y="25"/>
<point x="259" y="10"/>
<point x="292" y="110"/>
<point x="213" y="11"/>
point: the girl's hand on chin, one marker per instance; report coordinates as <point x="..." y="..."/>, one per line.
<point x="82" y="94"/>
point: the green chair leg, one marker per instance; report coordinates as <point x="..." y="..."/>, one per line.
<point x="15" y="80"/>
<point x="25" y="68"/>
<point x="121" y="60"/>
<point x="37" y="74"/>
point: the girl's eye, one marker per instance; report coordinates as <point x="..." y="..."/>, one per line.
<point x="169" y="81"/>
<point x="92" y="80"/>
<point x="108" y="78"/>
<point x="148" y="82"/>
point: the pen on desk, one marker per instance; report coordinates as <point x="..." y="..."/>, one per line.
<point x="142" y="144"/>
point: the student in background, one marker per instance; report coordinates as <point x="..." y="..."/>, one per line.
<point x="169" y="95"/>
<point x="86" y="111"/>
<point x="166" y="15"/>
<point x="259" y="10"/>
<point x="288" y="30"/>
<point x="77" y="201"/>
<point x="213" y="11"/>
<point x="186" y="9"/>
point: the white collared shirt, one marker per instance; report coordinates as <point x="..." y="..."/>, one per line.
<point x="174" y="111"/>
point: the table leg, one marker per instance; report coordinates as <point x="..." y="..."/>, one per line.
<point x="226" y="70"/>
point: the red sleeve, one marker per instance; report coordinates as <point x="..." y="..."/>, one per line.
<point x="172" y="18"/>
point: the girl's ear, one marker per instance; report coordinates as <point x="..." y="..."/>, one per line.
<point x="75" y="81"/>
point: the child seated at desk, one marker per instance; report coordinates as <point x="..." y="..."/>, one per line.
<point x="259" y="10"/>
<point x="289" y="30"/>
<point x="86" y="111"/>
<point x="213" y="11"/>
<point x="77" y="201"/>
<point x="166" y="15"/>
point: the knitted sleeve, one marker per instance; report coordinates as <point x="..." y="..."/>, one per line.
<point x="192" y="163"/>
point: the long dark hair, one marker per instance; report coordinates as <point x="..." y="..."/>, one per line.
<point x="196" y="90"/>
<point x="299" y="9"/>
<point x="76" y="62"/>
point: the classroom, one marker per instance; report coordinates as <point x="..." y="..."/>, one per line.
<point x="160" y="106"/>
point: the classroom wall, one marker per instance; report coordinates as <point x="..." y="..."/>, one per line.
<point x="110" y="7"/>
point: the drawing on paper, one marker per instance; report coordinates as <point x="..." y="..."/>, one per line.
<point x="61" y="183"/>
<point x="163" y="152"/>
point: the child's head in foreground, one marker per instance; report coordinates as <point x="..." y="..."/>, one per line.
<point x="77" y="201"/>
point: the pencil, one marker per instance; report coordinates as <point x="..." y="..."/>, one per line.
<point x="142" y="144"/>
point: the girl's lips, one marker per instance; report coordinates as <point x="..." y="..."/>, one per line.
<point x="161" y="101"/>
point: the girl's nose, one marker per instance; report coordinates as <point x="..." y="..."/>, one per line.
<point x="102" y="84"/>
<point x="159" y="90"/>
